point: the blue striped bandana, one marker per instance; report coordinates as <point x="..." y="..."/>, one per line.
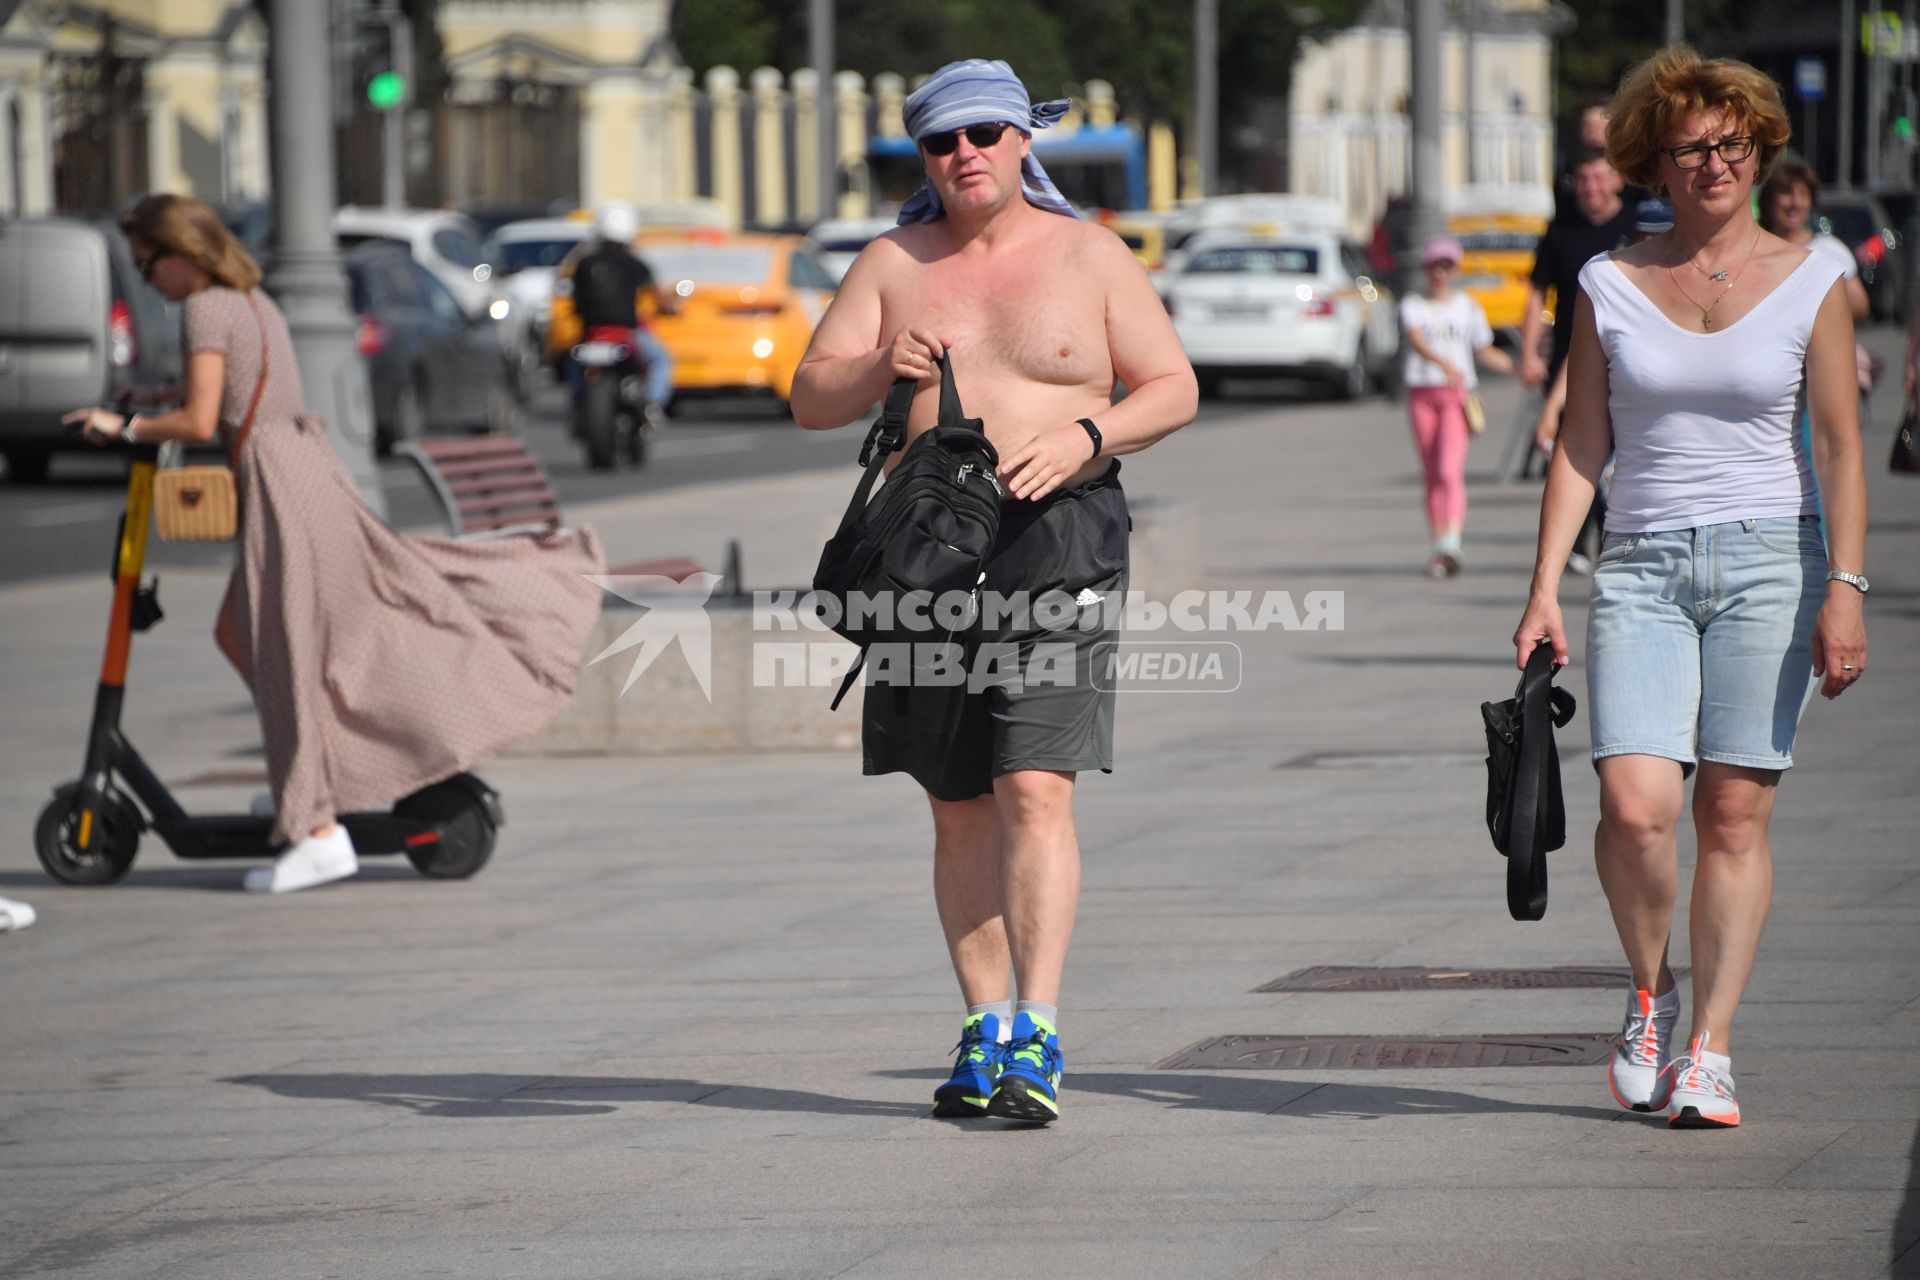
<point x="978" y="91"/>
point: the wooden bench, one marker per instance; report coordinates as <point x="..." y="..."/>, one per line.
<point x="491" y="486"/>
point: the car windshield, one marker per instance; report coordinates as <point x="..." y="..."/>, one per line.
<point x="702" y="264"/>
<point x="510" y="256"/>
<point x="1256" y="259"/>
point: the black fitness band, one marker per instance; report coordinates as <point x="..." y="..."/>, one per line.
<point x="1094" y="433"/>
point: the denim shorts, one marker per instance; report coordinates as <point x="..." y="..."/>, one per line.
<point x="1699" y="641"/>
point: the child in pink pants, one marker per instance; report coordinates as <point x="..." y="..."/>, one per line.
<point x="1447" y="334"/>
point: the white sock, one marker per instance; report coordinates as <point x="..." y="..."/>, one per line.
<point x="1001" y="1009"/>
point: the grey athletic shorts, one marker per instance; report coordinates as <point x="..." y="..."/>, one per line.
<point x="1038" y="692"/>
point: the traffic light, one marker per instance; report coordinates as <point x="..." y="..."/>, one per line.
<point x="386" y="90"/>
<point x="1903" y="128"/>
<point x="383" y="58"/>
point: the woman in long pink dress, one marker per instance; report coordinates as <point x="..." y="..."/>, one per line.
<point x="378" y="663"/>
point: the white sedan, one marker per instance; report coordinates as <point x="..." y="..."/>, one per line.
<point x="1299" y="306"/>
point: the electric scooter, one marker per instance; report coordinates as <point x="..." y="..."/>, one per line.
<point x="88" y="833"/>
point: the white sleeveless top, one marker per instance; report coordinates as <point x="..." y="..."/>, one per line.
<point x="1706" y="425"/>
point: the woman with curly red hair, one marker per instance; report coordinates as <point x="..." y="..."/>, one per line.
<point x="1719" y="602"/>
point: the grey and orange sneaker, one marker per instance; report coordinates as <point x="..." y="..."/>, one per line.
<point x="1703" y="1089"/>
<point x="1638" y="1073"/>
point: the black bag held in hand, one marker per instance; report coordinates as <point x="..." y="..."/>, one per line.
<point x="1526" y="813"/>
<point x="929" y="532"/>
<point x="1906" y="455"/>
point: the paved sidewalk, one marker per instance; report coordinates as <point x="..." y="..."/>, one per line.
<point x="688" y="1021"/>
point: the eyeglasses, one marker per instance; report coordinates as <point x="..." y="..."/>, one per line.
<point x="1731" y="151"/>
<point x="147" y="264"/>
<point x="982" y="136"/>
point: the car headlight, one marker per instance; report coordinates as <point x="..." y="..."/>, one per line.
<point x="498" y="308"/>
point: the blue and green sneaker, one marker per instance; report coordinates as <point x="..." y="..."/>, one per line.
<point x="1029" y="1087"/>
<point x="981" y="1057"/>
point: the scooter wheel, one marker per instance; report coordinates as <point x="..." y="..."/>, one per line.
<point x="466" y="832"/>
<point x="114" y="839"/>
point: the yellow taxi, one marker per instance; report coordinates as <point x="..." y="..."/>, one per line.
<point x="1144" y="233"/>
<point x="1498" y="230"/>
<point x="745" y="307"/>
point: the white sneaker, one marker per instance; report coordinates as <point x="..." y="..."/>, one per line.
<point x="315" y="860"/>
<point x="1638" y="1073"/>
<point x="1703" y="1089"/>
<point x="15" y="915"/>
<point x="262" y="805"/>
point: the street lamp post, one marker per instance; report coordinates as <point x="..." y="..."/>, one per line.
<point x="820" y="18"/>
<point x="1429" y="177"/>
<point x="1206" y="94"/>
<point x="306" y="276"/>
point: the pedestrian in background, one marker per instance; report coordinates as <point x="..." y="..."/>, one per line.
<point x="1447" y="334"/>
<point x="1599" y="221"/>
<point x="1787" y="200"/>
<point x="1651" y="217"/>
<point x="379" y="664"/>
<point x="1714" y="614"/>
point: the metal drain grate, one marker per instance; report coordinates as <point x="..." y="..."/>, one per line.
<point x="1343" y="978"/>
<point x="1365" y="1053"/>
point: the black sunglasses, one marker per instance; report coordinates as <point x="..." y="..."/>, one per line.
<point x="152" y="260"/>
<point x="981" y="136"/>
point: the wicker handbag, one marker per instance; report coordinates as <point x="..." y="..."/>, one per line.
<point x="202" y="504"/>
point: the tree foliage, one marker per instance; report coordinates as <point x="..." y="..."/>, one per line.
<point x="1144" y="48"/>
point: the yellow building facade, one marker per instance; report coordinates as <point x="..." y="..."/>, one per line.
<point x="99" y="101"/>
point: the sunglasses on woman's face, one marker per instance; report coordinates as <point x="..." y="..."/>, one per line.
<point x="982" y="136"/>
<point x="148" y="263"/>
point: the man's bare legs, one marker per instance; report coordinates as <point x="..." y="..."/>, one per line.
<point x="1006" y="880"/>
<point x="1039" y="876"/>
<point x="966" y="890"/>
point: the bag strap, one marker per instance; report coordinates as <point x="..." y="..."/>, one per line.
<point x="853" y="673"/>
<point x="1526" y="865"/>
<point x="253" y="406"/>
<point x="888" y="434"/>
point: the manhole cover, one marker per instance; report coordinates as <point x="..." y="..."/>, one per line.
<point x="1339" y="978"/>
<point x="1361" y="1053"/>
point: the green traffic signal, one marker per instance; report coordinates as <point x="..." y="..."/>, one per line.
<point x="387" y="90"/>
<point x="1903" y="128"/>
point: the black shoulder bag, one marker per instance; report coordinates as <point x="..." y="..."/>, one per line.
<point x="928" y="533"/>
<point x="1526" y="813"/>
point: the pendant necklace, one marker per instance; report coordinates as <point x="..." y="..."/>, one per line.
<point x="1731" y="278"/>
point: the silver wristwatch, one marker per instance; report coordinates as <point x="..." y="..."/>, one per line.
<point x="1858" y="581"/>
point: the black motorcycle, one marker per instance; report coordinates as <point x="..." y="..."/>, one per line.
<point x="610" y="410"/>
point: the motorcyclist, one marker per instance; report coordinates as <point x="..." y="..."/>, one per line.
<point x="607" y="285"/>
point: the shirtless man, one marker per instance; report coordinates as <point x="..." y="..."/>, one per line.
<point x="1039" y="313"/>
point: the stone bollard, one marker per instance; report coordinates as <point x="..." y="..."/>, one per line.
<point x="769" y="689"/>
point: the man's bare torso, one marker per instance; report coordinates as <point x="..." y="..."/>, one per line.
<point x="1027" y="323"/>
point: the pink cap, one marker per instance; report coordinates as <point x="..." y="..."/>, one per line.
<point x="1441" y="249"/>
